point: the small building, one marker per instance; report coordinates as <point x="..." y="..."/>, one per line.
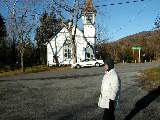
<point x="85" y="40"/>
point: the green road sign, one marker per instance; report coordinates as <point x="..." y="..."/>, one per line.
<point x="137" y="47"/>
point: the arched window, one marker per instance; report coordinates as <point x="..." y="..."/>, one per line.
<point x="89" y="19"/>
<point x="67" y="49"/>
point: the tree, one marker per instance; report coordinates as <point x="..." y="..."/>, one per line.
<point x="75" y="12"/>
<point x="29" y="55"/>
<point x="21" y="25"/>
<point x="3" y="42"/>
<point x="157" y="22"/>
<point x="49" y="26"/>
<point x="156" y="38"/>
<point x="3" y="31"/>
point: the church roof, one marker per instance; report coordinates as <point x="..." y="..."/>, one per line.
<point x="89" y="7"/>
<point x="59" y="31"/>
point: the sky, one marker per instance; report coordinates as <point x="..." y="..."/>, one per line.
<point x="127" y="19"/>
<point x="118" y="20"/>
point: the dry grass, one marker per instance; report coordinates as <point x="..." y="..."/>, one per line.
<point x="151" y="78"/>
<point x="34" y="69"/>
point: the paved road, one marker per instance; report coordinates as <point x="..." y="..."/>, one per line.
<point x="73" y="95"/>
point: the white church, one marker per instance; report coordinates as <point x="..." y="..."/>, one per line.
<point x="60" y="44"/>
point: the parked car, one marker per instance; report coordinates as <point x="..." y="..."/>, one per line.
<point x="88" y="63"/>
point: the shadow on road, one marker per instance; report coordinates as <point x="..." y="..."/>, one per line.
<point x="75" y="112"/>
<point x="143" y="103"/>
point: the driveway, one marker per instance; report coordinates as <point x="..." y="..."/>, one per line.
<point x="73" y="95"/>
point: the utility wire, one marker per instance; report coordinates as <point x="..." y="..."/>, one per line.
<point x="81" y="6"/>
<point x="120" y="3"/>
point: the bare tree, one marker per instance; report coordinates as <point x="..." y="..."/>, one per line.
<point x="75" y="13"/>
<point x="22" y="24"/>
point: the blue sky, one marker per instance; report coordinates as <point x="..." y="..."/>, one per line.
<point x="126" y="19"/>
<point x="118" y="21"/>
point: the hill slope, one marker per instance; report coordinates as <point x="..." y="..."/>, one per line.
<point x="122" y="49"/>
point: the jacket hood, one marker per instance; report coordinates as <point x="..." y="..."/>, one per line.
<point x="110" y="63"/>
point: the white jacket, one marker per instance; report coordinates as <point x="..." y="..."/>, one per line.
<point x="109" y="88"/>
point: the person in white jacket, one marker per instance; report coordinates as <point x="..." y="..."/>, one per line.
<point x="109" y="90"/>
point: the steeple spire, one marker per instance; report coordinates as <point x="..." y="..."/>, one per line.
<point x="89" y="7"/>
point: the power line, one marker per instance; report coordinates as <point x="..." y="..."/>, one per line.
<point x="120" y="3"/>
<point x="81" y="6"/>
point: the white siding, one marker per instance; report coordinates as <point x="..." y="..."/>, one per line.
<point x="57" y="45"/>
<point x="81" y="44"/>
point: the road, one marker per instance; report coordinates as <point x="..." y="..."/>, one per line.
<point x="73" y="95"/>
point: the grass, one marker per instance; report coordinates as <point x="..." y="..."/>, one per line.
<point x="34" y="69"/>
<point x="151" y="78"/>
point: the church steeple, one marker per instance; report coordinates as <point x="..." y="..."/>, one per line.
<point x="89" y="13"/>
<point x="89" y="26"/>
<point x="89" y="7"/>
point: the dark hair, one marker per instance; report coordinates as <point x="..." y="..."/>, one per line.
<point x="110" y="63"/>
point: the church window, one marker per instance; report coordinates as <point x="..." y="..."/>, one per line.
<point x="67" y="50"/>
<point x="88" y="55"/>
<point x="89" y="18"/>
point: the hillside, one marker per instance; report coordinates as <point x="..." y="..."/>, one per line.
<point x="122" y="49"/>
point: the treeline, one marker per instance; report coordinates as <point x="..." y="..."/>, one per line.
<point x="122" y="49"/>
<point x="34" y="51"/>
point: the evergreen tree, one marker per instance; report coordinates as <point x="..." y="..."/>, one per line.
<point x="49" y="26"/>
<point x="157" y="22"/>
<point x="3" y="31"/>
<point x="3" y="43"/>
